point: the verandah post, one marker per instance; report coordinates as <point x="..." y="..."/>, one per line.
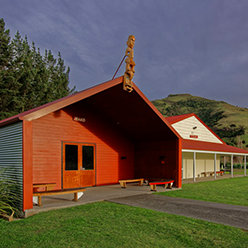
<point x="214" y="166"/>
<point x="194" y="167"/>
<point x="245" y="165"/>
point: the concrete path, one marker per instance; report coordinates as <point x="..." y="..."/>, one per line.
<point x="91" y="194"/>
<point x="226" y="214"/>
<point x="135" y="195"/>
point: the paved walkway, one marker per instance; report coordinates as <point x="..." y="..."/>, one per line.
<point x="135" y="195"/>
<point x="91" y="194"/>
<point x="226" y="214"/>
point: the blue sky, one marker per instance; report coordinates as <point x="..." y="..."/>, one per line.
<point x="182" y="46"/>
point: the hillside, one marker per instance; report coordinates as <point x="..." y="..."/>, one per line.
<point x="185" y="103"/>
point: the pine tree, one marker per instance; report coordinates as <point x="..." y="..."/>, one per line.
<point x="4" y="46"/>
<point x="7" y="78"/>
<point x="27" y="79"/>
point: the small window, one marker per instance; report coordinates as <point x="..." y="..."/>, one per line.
<point x="88" y="157"/>
<point x="71" y="157"/>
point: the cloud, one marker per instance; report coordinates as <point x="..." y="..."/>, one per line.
<point x="196" y="47"/>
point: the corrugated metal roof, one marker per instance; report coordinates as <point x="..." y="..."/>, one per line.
<point x="208" y="146"/>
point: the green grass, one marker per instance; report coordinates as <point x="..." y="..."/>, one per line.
<point x="107" y="224"/>
<point x="229" y="191"/>
<point x="238" y="172"/>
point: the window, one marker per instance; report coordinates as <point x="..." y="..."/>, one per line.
<point x="71" y="157"/>
<point x="88" y="157"/>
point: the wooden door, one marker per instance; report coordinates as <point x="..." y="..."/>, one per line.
<point x="87" y="171"/>
<point x="78" y="165"/>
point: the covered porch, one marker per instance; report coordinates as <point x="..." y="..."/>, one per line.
<point x="214" y="170"/>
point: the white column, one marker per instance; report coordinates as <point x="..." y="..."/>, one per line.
<point x="245" y="165"/>
<point x="232" y="165"/>
<point x="214" y="166"/>
<point x="182" y="166"/>
<point x="194" y="167"/>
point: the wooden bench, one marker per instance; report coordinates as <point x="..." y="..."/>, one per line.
<point x="169" y="184"/>
<point x="58" y="192"/>
<point x="207" y="173"/>
<point x="47" y="186"/>
<point x="211" y="173"/>
<point x="219" y="173"/>
<point x="7" y="217"/>
<point x="125" y="181"/>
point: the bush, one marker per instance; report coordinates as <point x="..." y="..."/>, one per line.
<point x="8" y="198"/>
<point x="235" y="166"/>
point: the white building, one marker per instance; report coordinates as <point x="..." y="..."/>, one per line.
<point x="201" y="147"/>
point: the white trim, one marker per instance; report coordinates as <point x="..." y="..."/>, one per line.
<point x="218" y="152"/>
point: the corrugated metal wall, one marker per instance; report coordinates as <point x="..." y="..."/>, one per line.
<point x="11" y="156"/>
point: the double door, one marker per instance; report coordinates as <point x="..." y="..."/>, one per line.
<point x="78" y="165"/>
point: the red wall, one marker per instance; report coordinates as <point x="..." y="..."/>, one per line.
<point x="27" y="166"/>
<point x="51" y="130"/>
<point x="157" y="160"/>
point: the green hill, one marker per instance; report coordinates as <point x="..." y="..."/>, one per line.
<point x="185" y="103"/>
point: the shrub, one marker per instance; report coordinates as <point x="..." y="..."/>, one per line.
<point x="8" y="198"/>
<point x="235" y="166"/>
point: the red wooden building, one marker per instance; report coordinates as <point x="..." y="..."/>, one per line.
<point x="94" y="137"/>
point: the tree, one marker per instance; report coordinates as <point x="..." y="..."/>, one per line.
<point x="230" y="132"/>
<point x="27" y="78"/>
<point x="4" y="46"/>
<point x="6" y="71"/>
<point x="210" y="116"/>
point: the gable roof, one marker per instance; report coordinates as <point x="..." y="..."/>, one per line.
<point x="50" y="107"/>
<point x="134" y="114"/>
<point x="203" y="146"/>
<point x="176" y="119"/>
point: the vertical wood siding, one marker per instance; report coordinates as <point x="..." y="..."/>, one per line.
<point x="156" y="160"/>
<point x="51" y="130"/>
<point x="11" y="156"/>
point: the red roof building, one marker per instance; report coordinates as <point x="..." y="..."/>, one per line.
<point x="94" y="137"/>
<point x="201" y="147"/>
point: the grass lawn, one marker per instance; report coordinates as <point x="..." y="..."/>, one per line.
<point x="238" y="172"/>
<point x="105" y="224"/>
<point x="230" y="191"/>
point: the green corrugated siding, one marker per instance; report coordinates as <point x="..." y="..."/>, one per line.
<point x="11" y="155"/>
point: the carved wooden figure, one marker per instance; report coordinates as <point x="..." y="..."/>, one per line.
<point x="130" y="64"/>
